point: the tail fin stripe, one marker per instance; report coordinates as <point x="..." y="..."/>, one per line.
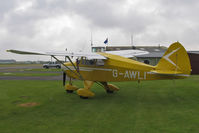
<point x="166" y="57"/>
<point x="174" y="61"/>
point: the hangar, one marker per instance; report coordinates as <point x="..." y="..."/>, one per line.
<point x="155" y="54"/>
<point x="7" y="61"/>
<point x="194" y="59"/>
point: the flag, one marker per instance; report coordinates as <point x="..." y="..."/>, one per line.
<point x="106" y="41"/>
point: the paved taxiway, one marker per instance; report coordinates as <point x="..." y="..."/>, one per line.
<point x="31" y="77"/>
<point x="20" y="69"/>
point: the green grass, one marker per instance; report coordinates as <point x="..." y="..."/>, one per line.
<point x="150" y="107"/>
<point x="15" y="65"/>
<point x="28" y="74"/>
<point x="43" y="70"/>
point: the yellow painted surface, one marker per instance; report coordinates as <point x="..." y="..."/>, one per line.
<point x="174" y="64"/>
<point x="113" y="87"/>
<point x="71" y="87"/>
<point x="85" y="92"/>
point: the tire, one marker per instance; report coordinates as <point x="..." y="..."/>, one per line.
<point x="58" y="67"/>
<point x="46" y="67"/>
<point x="69" y="91"/>
<point x="109" y="91"/>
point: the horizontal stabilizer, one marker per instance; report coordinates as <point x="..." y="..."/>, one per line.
<point x="166" y="72"/>
<point x="174" y="73"/>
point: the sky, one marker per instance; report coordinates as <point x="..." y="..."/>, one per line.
<point x="54" y="25"/>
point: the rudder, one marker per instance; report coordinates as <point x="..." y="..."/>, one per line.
<point x="175" y="59"/>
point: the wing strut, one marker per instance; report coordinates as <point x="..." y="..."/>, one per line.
<point x="73" y="64"/>
<point x="77" y="69"/>
<point x="68" y="67"/>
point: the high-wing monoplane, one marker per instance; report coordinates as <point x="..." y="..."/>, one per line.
<point x="115" y="66"/>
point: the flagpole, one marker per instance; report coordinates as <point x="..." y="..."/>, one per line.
<point x="106" y="43"/>
<point x="91" y="41"/>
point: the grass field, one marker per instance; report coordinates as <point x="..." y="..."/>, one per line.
<point x="150" y="107"/>
<point x="31" y="72"/>
<point x="44" y="70"/>
<point x="28" y="74"/>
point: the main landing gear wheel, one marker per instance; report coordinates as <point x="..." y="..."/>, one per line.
<point x="69" y="91"/>
<point x="70" y="88"/>
<point x="109" y="91"/>
<point x="85" y="92"/>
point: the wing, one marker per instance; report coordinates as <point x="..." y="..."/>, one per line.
<point x="88" y="55"/>
<point x="127" y="53"/>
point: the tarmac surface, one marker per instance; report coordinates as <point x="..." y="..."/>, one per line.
<point x="31" y="77"/>
<point x="2" y="68"/>
<point x="20" y="69"/>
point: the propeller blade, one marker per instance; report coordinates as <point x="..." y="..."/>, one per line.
<point x="64" y="78"/>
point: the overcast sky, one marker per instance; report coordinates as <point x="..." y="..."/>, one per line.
<point x="54" y="25"/>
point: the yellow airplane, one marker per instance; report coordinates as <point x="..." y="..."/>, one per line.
<point x="115" y="66"/>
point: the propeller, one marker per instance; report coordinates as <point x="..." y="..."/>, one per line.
<point x="64" y="78"/>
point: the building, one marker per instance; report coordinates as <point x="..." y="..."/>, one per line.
<point x="154" y="55"/>
<point x="152" y="58"/>
<point x="194" y="60"/>
<point x="7" y="61"/>
<point x="155" y="52"/>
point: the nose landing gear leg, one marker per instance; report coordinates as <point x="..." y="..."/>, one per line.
<point x="70" y="87"/>
<point x="85" y="92"/>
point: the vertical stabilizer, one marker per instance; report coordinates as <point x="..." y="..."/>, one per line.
<point x="175" y="59"/>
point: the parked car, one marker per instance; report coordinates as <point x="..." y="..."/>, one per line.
<point x="52" y="65"/>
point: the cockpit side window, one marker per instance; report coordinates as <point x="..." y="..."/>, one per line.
<point x="88" y="62"/>
<point x="99" y="62"/>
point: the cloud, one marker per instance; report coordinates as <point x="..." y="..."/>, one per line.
<point x="57" y="24"/>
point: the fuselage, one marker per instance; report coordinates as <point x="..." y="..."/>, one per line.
<point x="114" y="68"/>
